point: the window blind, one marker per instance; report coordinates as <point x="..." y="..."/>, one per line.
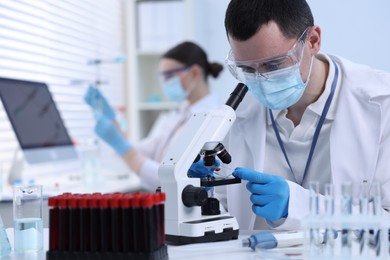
<point x="53" y="42"/>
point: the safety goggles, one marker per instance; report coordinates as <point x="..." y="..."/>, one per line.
<point x="167" y="74"/>
<point x="251" y="70"/>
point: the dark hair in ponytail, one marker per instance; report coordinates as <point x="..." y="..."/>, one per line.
<point x="190" y="53"/>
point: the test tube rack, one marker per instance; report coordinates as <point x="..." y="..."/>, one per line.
<point x="107" y="226"/>
<point x="346" y="237"/>
<point x="359" y="231"/>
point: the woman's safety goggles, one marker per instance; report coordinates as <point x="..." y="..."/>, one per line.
<point x="167" y="74"/>
<point x="247" y="71"/>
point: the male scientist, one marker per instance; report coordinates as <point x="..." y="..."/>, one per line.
<point x="308" y="117"/>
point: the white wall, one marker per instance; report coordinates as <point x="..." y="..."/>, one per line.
<point x="209" y="32"/>
<point x="355" y="29"/>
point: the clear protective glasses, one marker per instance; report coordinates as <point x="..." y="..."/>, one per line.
<point x="168" y="74"/>
<point x="251" y="70"/>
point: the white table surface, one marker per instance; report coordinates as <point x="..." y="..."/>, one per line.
<point x="226" y="250"/>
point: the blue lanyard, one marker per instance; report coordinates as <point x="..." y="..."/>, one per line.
<point x="318" y="128"/>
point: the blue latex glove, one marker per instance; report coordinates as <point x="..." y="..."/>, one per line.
<point x="199" y="170"/>
<point x="95" y="99"/>
<point x="270" y="194"/>
<point x="106" y="130"/>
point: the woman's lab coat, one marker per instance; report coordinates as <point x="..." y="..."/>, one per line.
<point x="155" y="145"/>
<point x="359" y="144"/>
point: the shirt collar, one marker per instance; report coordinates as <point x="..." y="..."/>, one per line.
<point x="318" y="106"/>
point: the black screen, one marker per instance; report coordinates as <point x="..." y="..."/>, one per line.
<point x="33" y="114"/>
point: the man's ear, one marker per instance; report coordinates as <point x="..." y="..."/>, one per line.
<point x="314" y="39"/>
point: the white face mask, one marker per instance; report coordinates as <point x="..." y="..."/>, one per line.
<point x="282" y="88"/>
<point x="174" y="90"/>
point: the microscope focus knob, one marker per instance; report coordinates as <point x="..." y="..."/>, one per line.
<point x="211" y="207"/>
<point x="194" y="196"/>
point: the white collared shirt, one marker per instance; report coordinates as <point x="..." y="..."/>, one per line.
<point x="298" y="140"/>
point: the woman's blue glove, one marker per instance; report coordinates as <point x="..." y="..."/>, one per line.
<point x="106" y="130"/>
<point x="95" y="99"/>
<point x="270" y="194"/>
<point x="199" y="170"/>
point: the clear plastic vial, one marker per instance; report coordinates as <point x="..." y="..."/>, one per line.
<point x="89" y="152"/>
<point x="346" y="211"/>
<point x="330" y="233"/>
<point x="314" y="233"/>
<point x="28" y="223"/>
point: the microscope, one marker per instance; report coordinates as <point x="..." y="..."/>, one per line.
<point x="190" y="215"/>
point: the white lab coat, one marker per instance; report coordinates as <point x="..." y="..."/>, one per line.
<point x="359" y="143"/>
<point x="154" y="147"/>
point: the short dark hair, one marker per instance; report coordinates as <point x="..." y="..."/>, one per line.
<point x="190" y="53"/>
<point x="245" y="17"/>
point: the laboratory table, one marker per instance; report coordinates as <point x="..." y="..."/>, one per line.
<point x="227" y="250"/>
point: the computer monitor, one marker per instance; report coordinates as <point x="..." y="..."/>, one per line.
<point x="36" y="121"/>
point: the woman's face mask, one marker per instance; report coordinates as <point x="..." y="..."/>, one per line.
<point x="174" y="90"/>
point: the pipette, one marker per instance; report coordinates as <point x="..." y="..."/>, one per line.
<point x="261" y="240"/>
<point x="118" y="59"/>
<point x="269" y="240"/>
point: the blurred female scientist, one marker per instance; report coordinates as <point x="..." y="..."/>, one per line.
<point x="184" y="71"/>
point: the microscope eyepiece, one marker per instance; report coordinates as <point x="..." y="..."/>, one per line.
<point x="237" y="95"/>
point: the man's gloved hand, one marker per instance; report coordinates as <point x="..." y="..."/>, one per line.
<point x="106" y="130"/>
<point x="95" y="99"/>
<point x="199" y="170"/>
<point x="270" y="194"/>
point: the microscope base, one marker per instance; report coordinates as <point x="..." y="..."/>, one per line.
<point x="212" y="237"/>
<point x="223" y="228"/>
